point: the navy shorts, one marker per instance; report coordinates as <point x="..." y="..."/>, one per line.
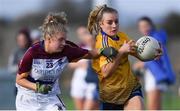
<point x="112" y="106"/>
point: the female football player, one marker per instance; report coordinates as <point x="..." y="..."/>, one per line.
<point x="118" y="87"/>
<point x="42" y="64"/>
<point x="158" y="73"/>
<point x="23" y="43"/>
<point x="84" y="81"/>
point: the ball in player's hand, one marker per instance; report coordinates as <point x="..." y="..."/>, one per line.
<point x="147" y="47"/>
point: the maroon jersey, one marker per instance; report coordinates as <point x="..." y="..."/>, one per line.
<point x="45" y="67"/>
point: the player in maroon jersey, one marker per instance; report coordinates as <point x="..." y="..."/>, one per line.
<point x="42" y="64"/>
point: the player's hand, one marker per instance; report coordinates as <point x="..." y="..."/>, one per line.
<point x="43" y="88"/>
<point x="128" y="47"/>
<point x="109" y="52"/>
<point x="159" y="53"/>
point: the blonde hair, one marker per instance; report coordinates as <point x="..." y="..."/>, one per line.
<point x="53" y="23"/>
<point x="96" y="15"/>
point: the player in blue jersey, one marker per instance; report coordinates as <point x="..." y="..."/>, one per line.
<point x="158" y="73"/>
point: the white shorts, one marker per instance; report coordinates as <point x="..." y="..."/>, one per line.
<point x="78" y="83"/>
<point x="80" y="88"/>
<point x="36" y="102"/>
<point x="91" y="91"/>
<point x="150" y="82"/>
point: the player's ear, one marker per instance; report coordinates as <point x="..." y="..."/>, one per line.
<point x="100" y="23"/>
<point x="48" y="38"/>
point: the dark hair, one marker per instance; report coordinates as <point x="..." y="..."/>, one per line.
<point x="96" y="15"/>
<point x="25" y="31"/>
<point x="147" y="19"/>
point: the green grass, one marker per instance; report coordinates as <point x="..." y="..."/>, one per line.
<point x="68" y="101"/>
<point x="170" y="102"/>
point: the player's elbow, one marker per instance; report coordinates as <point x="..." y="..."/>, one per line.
<point x="18" y="79"/>
<point x="105" y="73"/>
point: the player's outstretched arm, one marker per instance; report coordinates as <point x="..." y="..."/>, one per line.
<point x="108" y="52"/>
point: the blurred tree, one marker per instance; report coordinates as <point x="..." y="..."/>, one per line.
<point x="3" y="22"/>
<point x="172" y="24"/>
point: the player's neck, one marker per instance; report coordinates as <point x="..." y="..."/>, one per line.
<point x="46" y="47"/>
<point x="102" y="32"/>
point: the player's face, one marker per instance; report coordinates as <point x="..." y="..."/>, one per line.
<point x="22" y="41"/>
<point x="109" y="23"/>
<point x="144" y="27"/>
<point x="57" y="42"/>
<point x="81" y="33"/>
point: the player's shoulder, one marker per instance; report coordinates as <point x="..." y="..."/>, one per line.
<point x="70" y="47"/>
<point x="70" y="44"/>
<point x="100" y="41"/>
<point x="122" y="34"/>
<point x="98" y="36"/>
<point x="36" y="48"/>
